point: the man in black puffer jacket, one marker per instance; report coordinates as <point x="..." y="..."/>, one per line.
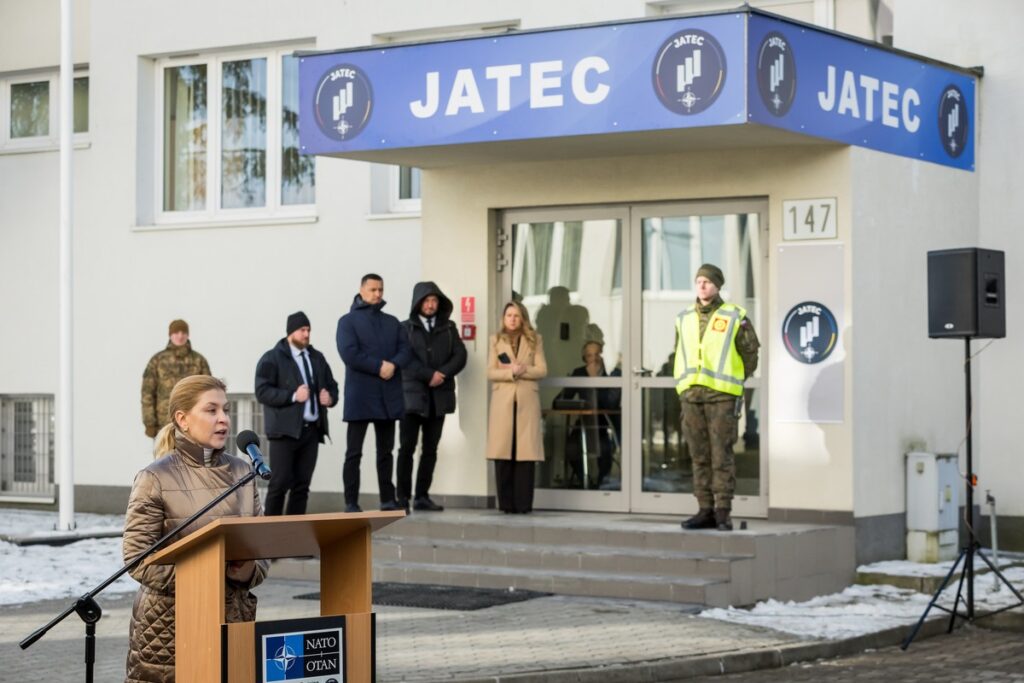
<point x="428" y="382"/>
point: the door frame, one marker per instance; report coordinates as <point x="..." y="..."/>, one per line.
<point x="686" y="503"/>
<point x="594" y="500"/>
<point x="630" y="497"/>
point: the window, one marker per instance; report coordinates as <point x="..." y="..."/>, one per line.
<point x="229" y="138"/>
<point x="246" y="413"/>
<point x="405" y="189"/>
<point x="26" y="446"/>
<point x="28" y="122"/>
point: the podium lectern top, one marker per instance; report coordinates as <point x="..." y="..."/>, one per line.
<point x="250" y="538"/>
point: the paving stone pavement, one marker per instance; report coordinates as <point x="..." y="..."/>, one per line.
<point x="545" y="634"/>
<point x="969" y="654"/>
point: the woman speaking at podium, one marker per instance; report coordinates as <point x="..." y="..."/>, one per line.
<point x="190" y="470"/>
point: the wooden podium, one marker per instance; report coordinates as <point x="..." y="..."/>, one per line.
<point x="341" y="541"/>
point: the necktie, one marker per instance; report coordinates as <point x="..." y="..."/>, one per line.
<point x="313" y="398"/>
<point x="430" y="324"/>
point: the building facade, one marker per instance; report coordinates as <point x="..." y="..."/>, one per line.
<point x="194" y="199"/>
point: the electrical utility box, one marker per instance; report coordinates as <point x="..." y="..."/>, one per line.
<point x="933" y="503"/>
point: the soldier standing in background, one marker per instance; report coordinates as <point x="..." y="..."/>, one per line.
<point x="716" y="350"/>
<point x="164" y="370"/>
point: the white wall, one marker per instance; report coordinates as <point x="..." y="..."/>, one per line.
<point x="908" y="389"/>
<point x="988" y="35"/>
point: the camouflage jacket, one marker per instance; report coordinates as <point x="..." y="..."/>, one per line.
<point x="162" y="372"/>
<point x="746" y="344"/>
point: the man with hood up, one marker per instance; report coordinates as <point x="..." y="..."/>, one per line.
<point x="374" y="347"/>
<point x="428" y="381"/>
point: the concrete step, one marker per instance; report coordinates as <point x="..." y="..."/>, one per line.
<point x="539" y="556"/>
<point x="609" y="554"/>
<point x="682" y="589"/>
<point x="658" y="533"/>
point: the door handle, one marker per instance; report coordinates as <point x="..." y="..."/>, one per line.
<point x="642" y="372"/>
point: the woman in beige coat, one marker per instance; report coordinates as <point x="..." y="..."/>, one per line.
<point x="193" y="470"/>
<point x="514" y="440"/>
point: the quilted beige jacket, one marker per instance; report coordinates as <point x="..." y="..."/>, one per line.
<point x="165" y="494"/>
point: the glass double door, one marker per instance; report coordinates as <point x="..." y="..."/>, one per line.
<point x="603" y="287"/>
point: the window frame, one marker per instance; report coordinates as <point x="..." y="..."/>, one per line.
<point x="39" y="143"/>
<point x="213" y="213"/>
<point x="395" y="202"/>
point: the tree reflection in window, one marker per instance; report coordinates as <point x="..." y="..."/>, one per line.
<point x="244" y="134"/>
<point x="297" y="170"/>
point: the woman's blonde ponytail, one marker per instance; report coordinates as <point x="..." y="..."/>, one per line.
<point x="164" y="440"/>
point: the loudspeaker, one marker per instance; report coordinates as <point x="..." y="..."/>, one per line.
<point x="966" y="293"/>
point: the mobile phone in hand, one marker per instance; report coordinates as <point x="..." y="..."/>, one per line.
<point x="503" y="357"/>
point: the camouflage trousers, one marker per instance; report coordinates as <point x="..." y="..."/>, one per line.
<point x="710" y="430"/>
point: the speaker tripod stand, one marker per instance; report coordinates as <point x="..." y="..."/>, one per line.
<point x="971" y="547"/>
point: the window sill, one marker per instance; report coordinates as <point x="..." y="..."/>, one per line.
<point x="42" y="147"/>
<point x="393" y="216"/>
<point x="229" y="223"/>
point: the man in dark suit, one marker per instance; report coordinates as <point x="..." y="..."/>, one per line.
<point x="296" y="387"/>
<point x="374" y="346"/>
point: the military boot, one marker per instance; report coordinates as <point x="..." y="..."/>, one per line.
<point x="704" y="519"/>
<point x="722" y="519"/>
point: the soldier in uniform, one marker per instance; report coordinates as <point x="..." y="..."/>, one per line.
<point x="163" y="371"/>
<point x="716" y="349"/>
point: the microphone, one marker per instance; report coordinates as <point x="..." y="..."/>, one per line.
<point x="249" y="443"/>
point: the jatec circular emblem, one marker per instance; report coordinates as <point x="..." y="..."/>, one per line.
<point x="343" y="102"/>
<point x="810" y="332"/>
<point x="776" y="73"/>
<point x="953" y="121"/>
<point x="689" y="71"/>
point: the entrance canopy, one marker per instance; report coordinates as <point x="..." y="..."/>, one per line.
<point x="742" y="78"/>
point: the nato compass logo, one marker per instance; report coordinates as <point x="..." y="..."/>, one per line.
<point x="343" y="102"/>
<point x="953" y="121"/>
<point x="810" y="332"/>
<point x="689" y="72"/>
<point x="776" y="73"/>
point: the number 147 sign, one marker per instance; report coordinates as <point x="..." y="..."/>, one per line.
<point x="809" y="219"/>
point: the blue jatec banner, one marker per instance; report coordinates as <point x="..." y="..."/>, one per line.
<point x="824" y="85"/>
<point x="713" y="70"/>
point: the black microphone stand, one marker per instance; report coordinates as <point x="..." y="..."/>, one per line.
<point x="971" y="546"/>
<point x="89" y="610"/>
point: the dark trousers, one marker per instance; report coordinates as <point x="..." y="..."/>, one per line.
<point x="514" y="479"/>
<point x="384" y="431"/>
<point x="292" y="462"/>
<point x="408" y="434"/>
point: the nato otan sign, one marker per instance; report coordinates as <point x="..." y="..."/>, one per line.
<point x="301" y="650"/>
<point x="714" y="70"/>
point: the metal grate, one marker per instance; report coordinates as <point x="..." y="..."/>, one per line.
<point x="430" y="596"/>
<point x="247" y="413"/>
<point x="26" y="445"/>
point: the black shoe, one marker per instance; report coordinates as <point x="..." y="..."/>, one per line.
<point x="389" y="506"/>
<point x="704" y="519"/>
<point x="722" y="519"/>
<point x="403" y="503"/>
<point x="426" y="505"/>
<point x="352" y="507"/>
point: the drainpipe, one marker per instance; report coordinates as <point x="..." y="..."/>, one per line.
<point x="990" y="500"/>
<point x="825" y="13"/>
<point x="65" y="421"/>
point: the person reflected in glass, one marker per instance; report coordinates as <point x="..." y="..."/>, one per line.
<point x="599" y="430"/>
<point x="514" y="440"/>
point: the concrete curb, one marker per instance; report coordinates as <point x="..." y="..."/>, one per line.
<point x="713" y="665"/>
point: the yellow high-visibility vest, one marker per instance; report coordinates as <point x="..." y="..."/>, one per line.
<point x="712" y="361"/>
